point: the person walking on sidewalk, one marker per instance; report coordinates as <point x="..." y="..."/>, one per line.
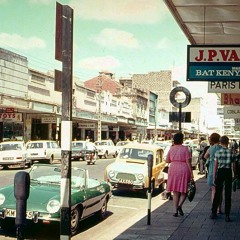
<point x="179" y="172"/>
<point x="210" y="155"/>
<point x="222" y="176"/>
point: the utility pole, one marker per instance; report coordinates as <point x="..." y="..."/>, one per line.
<point x="64" y="53"/>
<point x="99" y="87"/>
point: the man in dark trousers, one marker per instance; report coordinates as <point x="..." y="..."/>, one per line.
<point x="222" y="176"/>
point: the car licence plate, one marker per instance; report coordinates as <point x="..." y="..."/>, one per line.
<point x="125" y="181"/>
<point x="12" y="213"/>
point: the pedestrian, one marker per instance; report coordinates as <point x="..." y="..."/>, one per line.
<point x="179" y="172"/>
<point x="224" y="165"/>
<point x="214" y="140"/>
<point x="202" y="146"/>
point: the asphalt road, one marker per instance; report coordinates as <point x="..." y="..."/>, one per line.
<point x="124" y="209"/>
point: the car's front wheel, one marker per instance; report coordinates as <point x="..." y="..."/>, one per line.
<point x="101" y="214"/>
<point x="75" y="218"/>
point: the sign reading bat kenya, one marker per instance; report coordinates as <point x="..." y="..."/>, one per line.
<point x="213" y="63"/>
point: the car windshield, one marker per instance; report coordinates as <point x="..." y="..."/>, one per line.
<point x="121" y="143"/>
<point x="52" y="175"/>
<point x="135" y="153"/>
<point x="10" y="146"/>
<point x="101" y="143"/>
<point x="77" y="144"/>
<point x="35" y="145"/>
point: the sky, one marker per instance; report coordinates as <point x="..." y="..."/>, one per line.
<point x="124" y="37"/>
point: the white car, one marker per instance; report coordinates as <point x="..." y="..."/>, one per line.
<point x="130" y="169"/>
<point x="12" y="153"/>
<point x="106" y="148"/>
<point x="44" y="151"/>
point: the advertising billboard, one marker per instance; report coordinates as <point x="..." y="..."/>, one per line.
<point x="213" y="63"/>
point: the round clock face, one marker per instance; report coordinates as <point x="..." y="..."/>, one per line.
<point x="179" y="90"/>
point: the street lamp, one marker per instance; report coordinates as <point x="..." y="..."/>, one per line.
<point x="99" y="87"/>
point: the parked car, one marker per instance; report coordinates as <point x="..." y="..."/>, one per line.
<point x="120" y="144"/>
<point x="13" y="153"/>
<point x="83" y="150"/>
<point x="106" y="148"/>
<point x="130" y="169"/>
<point x="43" y="151"/>
<point x="88" y="196"/>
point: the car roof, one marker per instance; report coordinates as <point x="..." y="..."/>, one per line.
<point x="142" y="146"/>
<point x="41" y="141"/>
<point x="8" y="142"/>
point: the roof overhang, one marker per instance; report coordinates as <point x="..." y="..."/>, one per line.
<point x="208" y="22"/>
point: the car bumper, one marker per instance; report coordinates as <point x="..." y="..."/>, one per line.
<point x="13" y="162"/>
<point x="33" y="216"/>
<point x="119" y="185"/>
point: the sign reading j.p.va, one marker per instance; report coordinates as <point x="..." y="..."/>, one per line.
<point x="213" y="63"/>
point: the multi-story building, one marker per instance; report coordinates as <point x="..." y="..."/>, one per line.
<point x="136" y="107"/>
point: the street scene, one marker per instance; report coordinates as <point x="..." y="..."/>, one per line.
<point x="119" y="120"/>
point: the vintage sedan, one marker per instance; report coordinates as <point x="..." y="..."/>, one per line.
<point x="88" y="196"/>
<point x="13" y="153"/>
<point x="130" y="169"/>
<point x="84" y="150"/>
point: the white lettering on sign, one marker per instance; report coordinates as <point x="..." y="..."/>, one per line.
<point x="11" y="117"/>
<point x="218" y="73"/>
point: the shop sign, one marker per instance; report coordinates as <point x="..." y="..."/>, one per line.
<point x="213" y="62"/>
<point x="223" y="87"/>
<point x="104" y="128"/>
<point x="49" y="120"/>
<point x="237" y="122"/>
<point x="231" y="112"/>
<point x="230" y="99"/>
<point x="122" y="119"/>
<point x="87" y="125"/>
<point x="11" y="117"/>
<point x="109" y="119"/>
<point x="131" y="121"/>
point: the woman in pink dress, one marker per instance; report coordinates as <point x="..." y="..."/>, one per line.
<point x="179" y="172"/>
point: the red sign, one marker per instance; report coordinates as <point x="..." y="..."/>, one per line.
<point x="230" y="99"/>
<point x="9" y="110"/>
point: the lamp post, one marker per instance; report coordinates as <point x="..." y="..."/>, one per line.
<point x="99" y="87"/>
<point x="156" y="117"/>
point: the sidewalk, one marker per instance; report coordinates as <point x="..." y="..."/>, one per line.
<point x="195" y="224"/>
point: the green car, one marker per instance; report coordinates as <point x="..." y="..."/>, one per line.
<point x="88" y="196"/>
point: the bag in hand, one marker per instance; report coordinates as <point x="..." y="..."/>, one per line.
<point x="191" y="190"/>
<point x="234" y="185"/>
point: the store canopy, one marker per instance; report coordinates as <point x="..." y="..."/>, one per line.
<point x="207" y="22"/>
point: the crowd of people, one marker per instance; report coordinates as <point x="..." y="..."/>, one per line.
<point x="218" y="159"/>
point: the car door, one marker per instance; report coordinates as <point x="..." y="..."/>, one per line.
<point x="56" y="150"/>
<point x="95" y="195"/>
<point x="158" y="167"/>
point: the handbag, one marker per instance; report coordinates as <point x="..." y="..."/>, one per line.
<point x="234" y="185"/>
<point x="191" y="190"/>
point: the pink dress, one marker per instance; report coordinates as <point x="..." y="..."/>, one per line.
<point x="178" y="172"/>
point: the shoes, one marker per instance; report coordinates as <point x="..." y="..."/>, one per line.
<point x="220" y="212"/>
<point x="180" y="211"/>
<point x="213" y="216"/>
<point x="227" y="218"/>
<point x="175" y="214"/>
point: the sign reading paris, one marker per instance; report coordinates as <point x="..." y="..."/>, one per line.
<point x="213" y="63"/>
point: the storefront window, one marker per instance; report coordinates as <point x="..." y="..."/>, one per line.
<point x="12" y="131"/>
